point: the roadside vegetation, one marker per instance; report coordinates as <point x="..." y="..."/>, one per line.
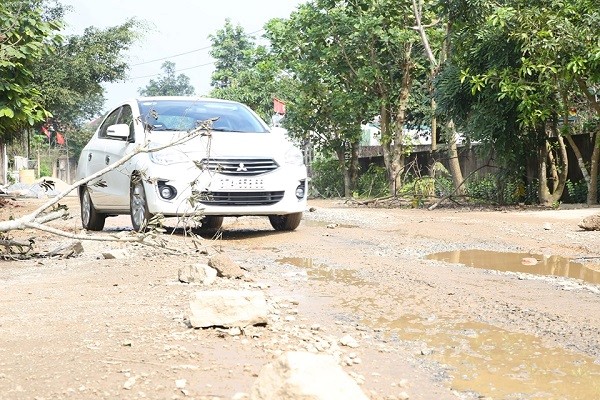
<point x="519" y="82"/>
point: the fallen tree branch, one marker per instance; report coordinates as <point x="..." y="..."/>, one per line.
<point x="32" y="220"/>
<point x="450" y="195"/>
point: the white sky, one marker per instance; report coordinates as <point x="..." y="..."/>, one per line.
<point x="175" y="27"/>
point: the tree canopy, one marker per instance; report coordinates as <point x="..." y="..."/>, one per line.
<point x="26" y="36"/>
<point x="169" y="83"/>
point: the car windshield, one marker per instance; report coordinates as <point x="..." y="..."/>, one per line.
<point x="184" y="115"/>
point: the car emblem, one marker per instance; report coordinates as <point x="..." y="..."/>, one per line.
<point x="241" y="168"/>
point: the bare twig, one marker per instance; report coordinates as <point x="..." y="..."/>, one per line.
<point x="451" y="194"/>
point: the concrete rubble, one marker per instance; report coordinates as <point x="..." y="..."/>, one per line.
<point x="226" y="267"/>
<point x="305" y="376"/>
<point x="228" y="308"/>
<point x="197" y="274"/>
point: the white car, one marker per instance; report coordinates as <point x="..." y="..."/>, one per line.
<point x="237" y="168"/>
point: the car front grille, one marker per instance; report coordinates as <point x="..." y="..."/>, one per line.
<point x="238" y="166"/>
<point x="240" y="198"/>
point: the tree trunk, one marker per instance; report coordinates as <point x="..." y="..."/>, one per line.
<point x="587" y="175"/>
<point x="546" y="196"/>
<point x="396" y="166"/>
<point x="592" y="197"/>
<point x="453" y="161"/>
<point x="354" y="166"/>
<point x="341" y="156"/>
<point x="543" y="191"/>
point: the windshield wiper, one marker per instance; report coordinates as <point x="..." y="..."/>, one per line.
<point x="226" y="130"/>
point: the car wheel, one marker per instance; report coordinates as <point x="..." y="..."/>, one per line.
<point x="287" y="222"/>
<point x="139" y="206"/>
<point x="91" y="219"/>
<point x="212" y="222"/>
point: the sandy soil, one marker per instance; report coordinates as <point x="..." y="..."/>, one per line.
<point x="427" y="327"/>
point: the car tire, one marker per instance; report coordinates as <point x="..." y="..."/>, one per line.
<point x="138" y="206"/>
<point x="287" y="222"/>
<point x="91" y="219"/>
<point x="212" y="222"/>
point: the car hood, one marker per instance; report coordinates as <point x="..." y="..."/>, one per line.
<point x="225" y="144"/>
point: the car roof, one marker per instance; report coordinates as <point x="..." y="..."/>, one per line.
<point x="189" y="98"/>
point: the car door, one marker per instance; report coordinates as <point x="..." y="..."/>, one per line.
<point x="94" y="157"/>
<point x="118" y="179"/>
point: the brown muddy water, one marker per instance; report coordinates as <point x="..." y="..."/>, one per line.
<point x="482" y="358"/>
<point x="536" y="264"/>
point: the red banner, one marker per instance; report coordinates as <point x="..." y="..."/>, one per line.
<point x="278" y="106"/>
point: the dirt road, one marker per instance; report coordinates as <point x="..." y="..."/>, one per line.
<point x="426" y="325"/>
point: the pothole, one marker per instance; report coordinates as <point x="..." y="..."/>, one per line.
<point x="323" y="272"/>
<point x="479" y="357"/>
<point x="498" y="363"/>
<point x="536" y="264"/>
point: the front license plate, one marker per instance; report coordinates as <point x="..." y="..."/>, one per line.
<point x="241" y="184"/>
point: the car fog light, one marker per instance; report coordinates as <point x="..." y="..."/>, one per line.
<point x="167" y="192"/>
<point x="300" y="191"/>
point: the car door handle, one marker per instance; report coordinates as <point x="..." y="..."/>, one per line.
<point x="107" y="160"/>
<point x="90" y="157"/>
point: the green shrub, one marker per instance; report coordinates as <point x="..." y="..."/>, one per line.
<point x="443" y="186"/>
<point x="45" y="170"/>
<point x="577" y="191"/>
<point x="327" y="178"/>
<point x="500" y="189"/>
<point x="482" y="188"/>
<point x="373" y="182"/>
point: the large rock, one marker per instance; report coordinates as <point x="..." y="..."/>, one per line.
<point x="591" y="223"/>
<point x="225" y="266"/>
<point x="228" y="308"/>
<point x="305" y="376"/>
<point x="198" y="273"/>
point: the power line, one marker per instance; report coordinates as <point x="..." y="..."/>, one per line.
<point x="179" y="70"/>
<point x="173" y="56"/>
<point x="185" y="53"/>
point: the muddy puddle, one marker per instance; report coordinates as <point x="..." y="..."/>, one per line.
<point x="536" y="264"/>
<point x="500" y="364"/>
<point x="322" y="272"/>
<point x="480" y="358"/>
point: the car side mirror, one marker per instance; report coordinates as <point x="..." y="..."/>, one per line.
<point x="118" y="131"/>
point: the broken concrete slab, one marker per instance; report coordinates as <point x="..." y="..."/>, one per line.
<point x="305" y="376"/>
<point x="228" y="308"/>
<point x="117" y="254"/>
<point x="226" y="267"/>
<point x="197" y="273"/>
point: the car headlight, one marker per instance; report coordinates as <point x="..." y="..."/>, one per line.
<point x="294" y="156"/>
<point x="168" y="156"/>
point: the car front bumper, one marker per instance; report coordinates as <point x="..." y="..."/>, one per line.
<point x="274" y="193"/>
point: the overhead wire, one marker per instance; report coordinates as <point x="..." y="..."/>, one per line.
<point x="178" y="55"/>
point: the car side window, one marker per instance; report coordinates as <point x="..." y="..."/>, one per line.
<point x="127" y="118"/>
<point x="110" y="120"/>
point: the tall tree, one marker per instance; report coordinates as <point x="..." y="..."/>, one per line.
<point x="254" y="78"/>
<point x="71" y="77"/>
<point x="368" y="53"/>
<point x="327" y="107"/>
<point x="537" y="61"/>
<point x="444" y="46"/>
<point x="233" y="51"/>
<point x="25" y="37"/>
<point x="169" y="84"/>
